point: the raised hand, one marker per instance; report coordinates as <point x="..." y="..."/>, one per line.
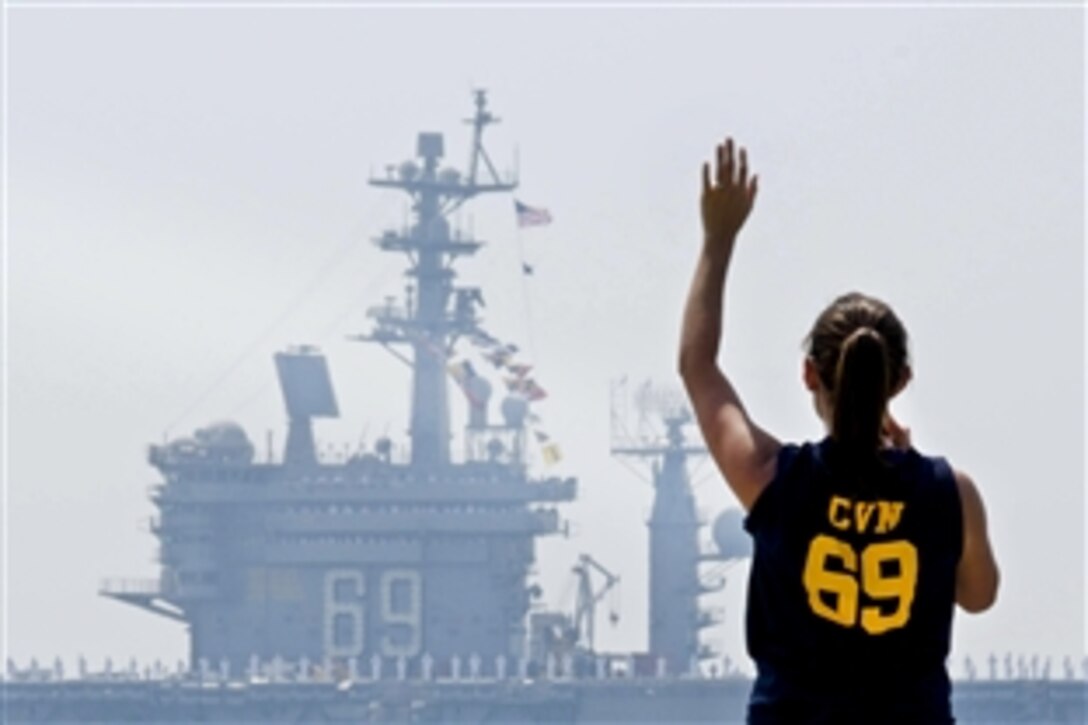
<point x="726" y="201"/>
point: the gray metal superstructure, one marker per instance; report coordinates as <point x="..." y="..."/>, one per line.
<point x="336" y="564"/>
<point x="675" y="581"/>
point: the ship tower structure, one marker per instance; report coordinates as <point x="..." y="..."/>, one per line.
<point x="676" y="582"/>
<point x="412" y="563"/>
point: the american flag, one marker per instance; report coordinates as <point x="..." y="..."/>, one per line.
<point x="529" y="216"/>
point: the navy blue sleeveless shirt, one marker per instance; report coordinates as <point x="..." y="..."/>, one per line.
<point x="852" y="589"/>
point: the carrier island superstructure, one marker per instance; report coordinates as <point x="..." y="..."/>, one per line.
<point x="397" y="588"/>
<point x="409" y="561"/>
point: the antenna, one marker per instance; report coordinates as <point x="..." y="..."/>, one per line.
<point x="660" y="415"/>
<point x="426" y="322"/>
<point x="479" y="122"/>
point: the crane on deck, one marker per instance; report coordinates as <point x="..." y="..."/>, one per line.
<point x="585" y="604"/>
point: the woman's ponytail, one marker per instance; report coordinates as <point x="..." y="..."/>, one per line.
<point x="860" y="392"/>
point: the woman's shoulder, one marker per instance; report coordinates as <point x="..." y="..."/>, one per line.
<point x="929" y="475"/>
<point x="795" y="461"/>
<point x="928" y="465"/>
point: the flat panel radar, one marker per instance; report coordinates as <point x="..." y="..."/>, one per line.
<point x="430" y="144"/>
<point x="307" y="387"/>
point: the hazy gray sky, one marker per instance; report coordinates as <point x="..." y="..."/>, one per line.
<point x="178" y="178"/>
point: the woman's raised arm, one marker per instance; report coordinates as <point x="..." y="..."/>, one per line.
<point x="744" y="452"/>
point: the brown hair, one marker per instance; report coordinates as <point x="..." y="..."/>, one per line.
<point x="859" y="348"/>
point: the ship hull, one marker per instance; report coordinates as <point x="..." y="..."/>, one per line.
<point x="641" y="700"/>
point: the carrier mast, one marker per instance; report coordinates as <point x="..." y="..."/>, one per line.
<point x="427" y="321"/>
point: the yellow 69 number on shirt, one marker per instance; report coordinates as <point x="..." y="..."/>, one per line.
<point x="846" y="585"/>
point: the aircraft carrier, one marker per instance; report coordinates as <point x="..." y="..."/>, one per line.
<point x="394" y="584"/>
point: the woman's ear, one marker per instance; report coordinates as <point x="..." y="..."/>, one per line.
<point x="810" y="376"/>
